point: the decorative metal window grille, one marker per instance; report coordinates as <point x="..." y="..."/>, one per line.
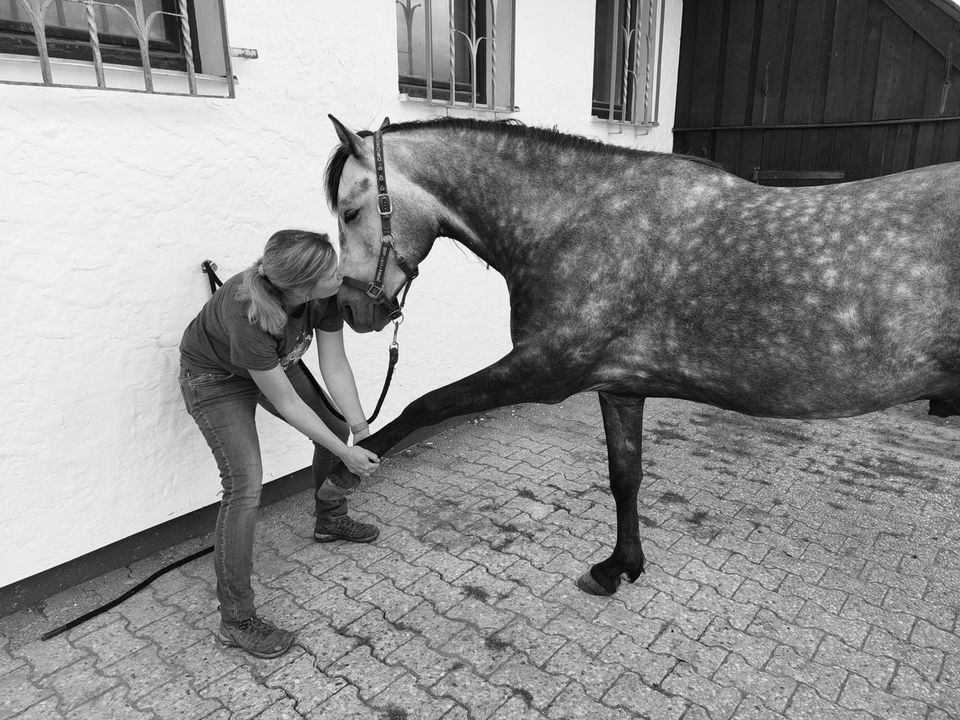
<point x="153" y="35"/>
<point x="626" y="61"/>
<point x="457" y="53"/>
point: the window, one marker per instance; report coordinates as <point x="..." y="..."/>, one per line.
<point x="457" y="53"/>
<point x="169" y="36"/>
<point x="626" y="61"/>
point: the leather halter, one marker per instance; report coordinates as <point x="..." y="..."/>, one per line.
<point x="374" y="290"/>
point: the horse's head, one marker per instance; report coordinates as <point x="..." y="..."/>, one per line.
<point x="366" y="239"/>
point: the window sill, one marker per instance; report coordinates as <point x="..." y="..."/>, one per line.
<point x="459" y="109"/>
<point x="78" y="74"/>
<point x="615" y="127"/>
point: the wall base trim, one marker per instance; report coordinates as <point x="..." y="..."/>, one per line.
<point x="34" y="589"/>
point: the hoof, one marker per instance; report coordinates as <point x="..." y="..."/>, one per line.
<point x="590" y="586"/>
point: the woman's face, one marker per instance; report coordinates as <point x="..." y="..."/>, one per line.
<point x="327" y="285"/>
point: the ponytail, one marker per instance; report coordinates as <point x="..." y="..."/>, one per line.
<point x="266" y="300"/>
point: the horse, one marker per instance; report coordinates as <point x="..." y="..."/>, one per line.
<point x="638" y="274"/>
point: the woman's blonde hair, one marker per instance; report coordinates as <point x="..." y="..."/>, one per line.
<point x="293" y="261"/>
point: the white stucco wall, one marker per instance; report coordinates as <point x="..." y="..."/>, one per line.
<point x="109" y="202"/>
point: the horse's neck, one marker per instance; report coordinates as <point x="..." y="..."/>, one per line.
<point x="485" y="185"/>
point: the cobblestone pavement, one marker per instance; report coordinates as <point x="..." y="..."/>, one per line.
<point x="797" y="570"/>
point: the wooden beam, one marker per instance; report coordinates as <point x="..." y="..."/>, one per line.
<point x="937" y="22"/>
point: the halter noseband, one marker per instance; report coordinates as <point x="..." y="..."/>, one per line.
<point x="374" y="290"/>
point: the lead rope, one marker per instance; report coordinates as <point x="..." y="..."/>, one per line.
<point x="210" y="268"/>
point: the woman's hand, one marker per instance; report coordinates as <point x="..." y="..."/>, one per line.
<point x="359" y="461"/>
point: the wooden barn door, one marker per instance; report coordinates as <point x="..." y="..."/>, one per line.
<point x="800" y="92"/>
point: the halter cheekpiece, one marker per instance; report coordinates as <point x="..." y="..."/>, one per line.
<point x="374" y="290"/>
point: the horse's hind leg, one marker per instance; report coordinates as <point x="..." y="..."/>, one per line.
<point x="623" y="423"/>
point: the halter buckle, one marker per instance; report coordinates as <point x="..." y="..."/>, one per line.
<point x="384" y="204"/>
<point x="374" y="291"/>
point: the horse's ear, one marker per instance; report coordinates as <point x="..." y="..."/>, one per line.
<point x="348" y="138"/>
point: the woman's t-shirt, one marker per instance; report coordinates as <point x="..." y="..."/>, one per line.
<point x="221" y="338"/>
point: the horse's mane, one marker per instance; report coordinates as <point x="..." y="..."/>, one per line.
<point x="509" y="128"/>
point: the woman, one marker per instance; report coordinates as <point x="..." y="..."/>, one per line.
<point x="241" y="351"/>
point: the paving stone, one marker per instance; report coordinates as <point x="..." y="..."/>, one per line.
<point x="536" y="687"/>
<point x="471" y="691"/>
<point x="400" y="571"/>
<point x="632" y="694"/>
<point x="177" y="700"/>
<point x="43" y="710"/>
<point x="302" y="681"/>
<point x="590" y="636"/>
<point x="852" y="632"/>
<point x="304" y="585"/>
<point x="725" y="583"/>
<point x="781" y="604"/>
<point x="143" y="671"/>
<point x="485" y="651"/>
<point x="47" y="656"/>
<point x="171" y="634"/>
<point x="78" y="683"/>
<point x="834" y="652"/>
<point x="393" y="603"/>
<point x="242" y="693"/>
<point x="825" y="679"/>
<point x="113" y="704"/>
<point x="345" y="705"/>
<point x="478" y="613"/>
<point x="908" y="683"/>
<point x="595" y="675"/>
<point x="896" y="623"/>
<point x="8" y="663"/>
<point x="691" y="622"/>
<point x="378" y="633"/>
<point x="516" y="708"/>
<point x="363" y="671"/>
<point x="669" y="647"/>
<point x="774" y="690"/>
<point x="207" y="661"/>
<point x="858" y="694"/>
<point x="18" y="692"/>
<point x="536" y="646"/>
<point x="324" y="643"/>
<point x="575" y="704"/>
<point x="928" y="635"/>
<point x="112" y="643"/>
<point x="339" y="609"/>
<point x="941" y="616"/>
<point x="522" y="602"/>
<point x="804" y="639"/>
<point x="750" y="708"/>
<point x="423" y="662"/>
<point x="405" y="698"/>
<point x="144" y="608"/>
<point x="639" y="627"/>
<point x="686" y="683"/>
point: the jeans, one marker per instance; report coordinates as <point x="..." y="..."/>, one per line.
<point x="223" y="406"/>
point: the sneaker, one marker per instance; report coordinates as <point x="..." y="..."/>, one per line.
<point x="257" y="636"/>
<point x="344" y="528"/>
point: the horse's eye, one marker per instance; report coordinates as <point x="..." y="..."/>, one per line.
<point x="350" y="215"/>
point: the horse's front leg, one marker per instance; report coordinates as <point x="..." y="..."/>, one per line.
<point x="518" y="377"/>
<point x="623" y="423"/>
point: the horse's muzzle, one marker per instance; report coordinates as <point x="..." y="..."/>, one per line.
<point x="360" y="312"/>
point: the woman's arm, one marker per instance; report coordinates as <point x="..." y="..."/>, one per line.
<point x="276" y="386"/>
<point x="338" y="377"/>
